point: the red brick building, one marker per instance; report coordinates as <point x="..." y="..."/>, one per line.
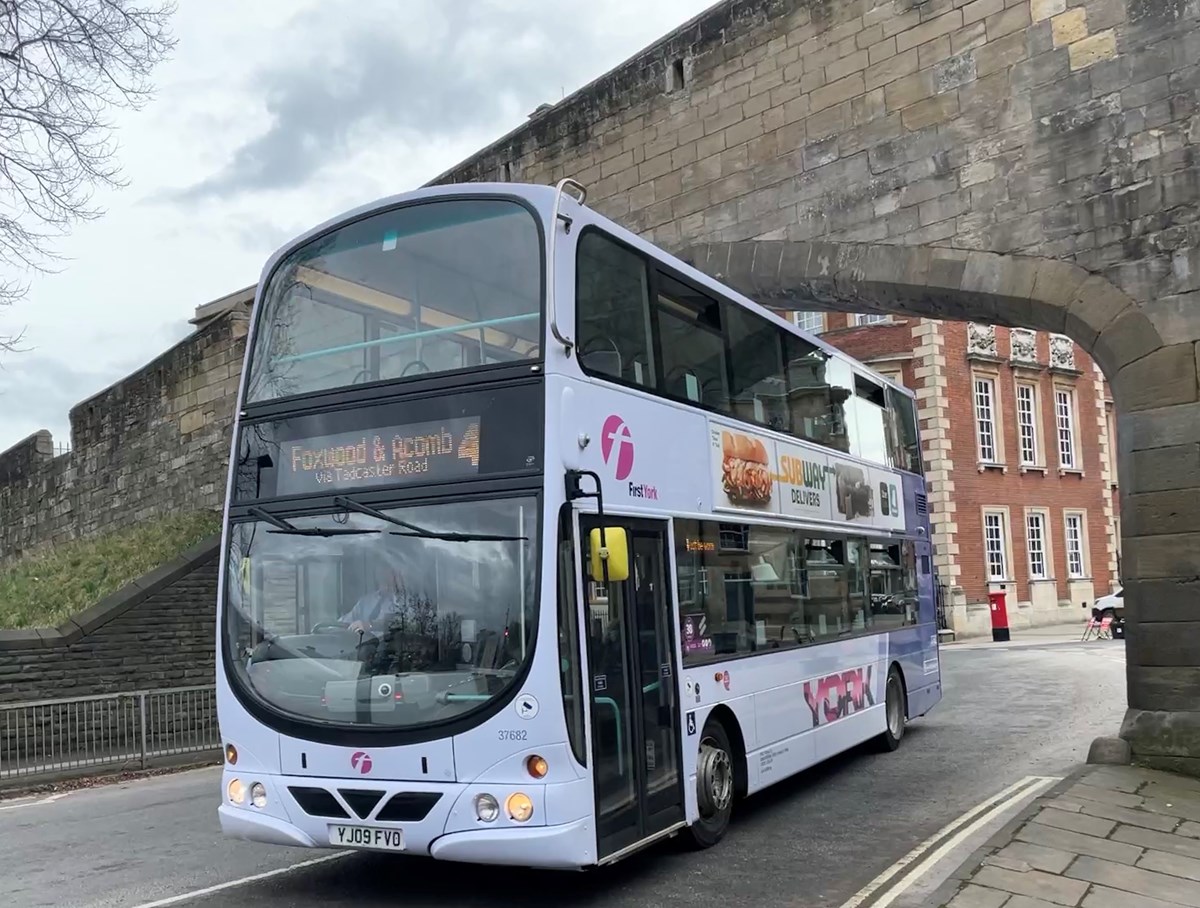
<point x="1020" y="454"/>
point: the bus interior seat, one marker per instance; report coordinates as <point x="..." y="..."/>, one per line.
<point x="600" y="353"/>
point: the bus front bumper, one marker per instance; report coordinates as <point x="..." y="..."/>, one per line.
<point x="567" y="847"/>
<point x="449" y="831"/>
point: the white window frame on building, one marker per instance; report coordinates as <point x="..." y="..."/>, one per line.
<point x="870" y="318"/>
<point x="1066" y="428"/>
<point x="1029" y="423"/>
<point x="996" y="528"/>
<point x="890" y="367"/>
<point x="1046" y="554"/>
<point x="990" y="451"/>
<point x="1077" y="567"/>
<point x="1111" y="424"/>
<point x="812" y="320"/>
<point x="893" y="374"/>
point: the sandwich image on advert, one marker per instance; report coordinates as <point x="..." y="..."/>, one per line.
<point x="745" y="473"/>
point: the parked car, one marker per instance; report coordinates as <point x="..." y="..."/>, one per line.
<point x="1113" y="606"/>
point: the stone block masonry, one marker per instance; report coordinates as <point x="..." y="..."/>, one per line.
<point x="1034" y="127"/>
<point x="155" y="443"/>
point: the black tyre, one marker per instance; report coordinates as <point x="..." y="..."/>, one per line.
<point x="895" y="709"/>
<point x="714" y="786"/>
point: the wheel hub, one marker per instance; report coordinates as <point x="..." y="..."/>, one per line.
<point x="714" y="779"/>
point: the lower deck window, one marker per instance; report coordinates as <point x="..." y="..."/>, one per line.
<point x="745" y="588"/>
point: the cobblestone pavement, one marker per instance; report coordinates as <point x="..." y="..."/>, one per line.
<point x="1107" y="837"/>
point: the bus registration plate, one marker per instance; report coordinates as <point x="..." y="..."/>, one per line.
<point x="367" y="837"/>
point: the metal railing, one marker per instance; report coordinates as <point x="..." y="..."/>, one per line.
<point x="941" y="595"/>
<point x="125" y="730"/>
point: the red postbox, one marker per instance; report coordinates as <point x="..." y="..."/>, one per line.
<point x="999" y="612"/>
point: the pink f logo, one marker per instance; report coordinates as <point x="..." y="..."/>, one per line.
<point x="361" y="761"/>
<point x="616" y="435"/>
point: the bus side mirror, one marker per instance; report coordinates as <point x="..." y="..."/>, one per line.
<point x="614" y="555"/>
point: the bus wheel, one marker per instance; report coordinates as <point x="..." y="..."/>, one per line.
<point x="714" y="786"/>
<point x="895" y="709"/>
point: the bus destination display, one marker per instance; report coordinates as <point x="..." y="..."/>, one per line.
<point x="421" y="452"/>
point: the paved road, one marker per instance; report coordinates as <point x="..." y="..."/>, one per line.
<point x="1009" y="711"/>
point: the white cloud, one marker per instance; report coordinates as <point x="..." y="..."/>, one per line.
<point x="272" y="117"/>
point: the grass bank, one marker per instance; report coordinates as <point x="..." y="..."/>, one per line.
<point x="47" y="587"/>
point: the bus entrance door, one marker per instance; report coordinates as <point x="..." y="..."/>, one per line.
<point x="634" y="693"/>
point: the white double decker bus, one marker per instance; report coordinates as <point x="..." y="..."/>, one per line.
<point x="541" y="545"/>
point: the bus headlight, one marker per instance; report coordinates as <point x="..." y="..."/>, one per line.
<point x="487" y="808"/>
<point x="237" y="792"/>
<point x="520" y="807"/>
<point x="258" y="795"/>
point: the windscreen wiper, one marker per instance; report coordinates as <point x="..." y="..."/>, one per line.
<point x="420" y="532"/>
<point x="287" y="529"/>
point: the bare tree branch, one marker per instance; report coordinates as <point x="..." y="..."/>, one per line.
<point x="63" y="64"/>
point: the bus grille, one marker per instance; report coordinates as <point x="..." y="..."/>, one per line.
<point x="922" y="504"/>
<point x="361" y="802"/>
<point x="403" y="807"/>
<point x="409" y="806"/>
<point x="318" y="802"/>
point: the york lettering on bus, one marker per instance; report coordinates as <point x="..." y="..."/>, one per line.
<point x="837" y="696"/>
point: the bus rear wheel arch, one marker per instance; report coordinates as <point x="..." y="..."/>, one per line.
<point x="720" y="777"/>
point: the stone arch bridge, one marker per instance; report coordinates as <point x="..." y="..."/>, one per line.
<point x="1029" y="163"/>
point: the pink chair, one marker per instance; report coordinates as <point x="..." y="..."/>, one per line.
<point x="1099" y="626"/>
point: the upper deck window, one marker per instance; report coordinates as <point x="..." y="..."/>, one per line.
<point x="614" y="311"/>
<point x="644" y="326"/>
<point x="693" y="345"/>
<point x="432" y="287"/>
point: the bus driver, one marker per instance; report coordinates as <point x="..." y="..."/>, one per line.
<point x="371" y="612"/>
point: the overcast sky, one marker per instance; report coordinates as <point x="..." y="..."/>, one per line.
<point x="271" y="117"/>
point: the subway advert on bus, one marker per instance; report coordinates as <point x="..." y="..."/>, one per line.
<point x="757" y="473"/>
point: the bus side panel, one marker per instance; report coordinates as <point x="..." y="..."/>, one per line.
<point x="809" y="703"/>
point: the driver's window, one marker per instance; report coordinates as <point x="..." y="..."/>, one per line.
<point x="613" y="311"/>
